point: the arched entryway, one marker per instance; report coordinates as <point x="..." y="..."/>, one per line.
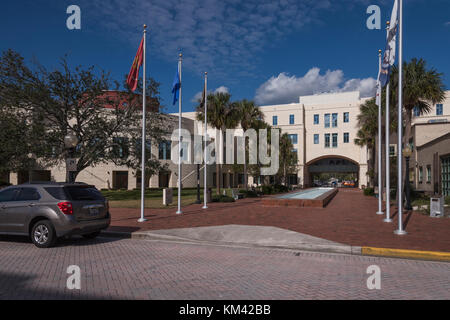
<point x="333" y="170"/>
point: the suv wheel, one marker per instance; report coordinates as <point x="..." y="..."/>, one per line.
<point x="43" y="234"/>
<point x="91" y="235"/>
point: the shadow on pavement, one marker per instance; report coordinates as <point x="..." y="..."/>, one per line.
<point x="62" y="242"/>
<point x="19" y="286"/>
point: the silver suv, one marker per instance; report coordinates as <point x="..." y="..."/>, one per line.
<point x="47" y="211"/>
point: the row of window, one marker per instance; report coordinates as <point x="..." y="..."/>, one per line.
<point x="428" y="174"/>
<point x="275" y="119"/>
<point x="331" y="119"/>
<point x="439" y="110"/>
<point x="333" y="138"/>
<point x="334" y="119"/>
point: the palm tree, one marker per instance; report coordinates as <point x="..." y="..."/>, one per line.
<point x="288" y="158"/>
<point x="368" y="130"/>
<point x="422" y="88"/>
<point x="246" y="113"/>
<point x="220" y="117"/>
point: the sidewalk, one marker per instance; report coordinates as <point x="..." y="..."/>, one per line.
<point x="349" y="219"/>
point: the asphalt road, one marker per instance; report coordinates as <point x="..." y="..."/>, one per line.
<point x="138" y="269"/>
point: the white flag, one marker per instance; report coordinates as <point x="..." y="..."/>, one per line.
<point x="389" y="53"/>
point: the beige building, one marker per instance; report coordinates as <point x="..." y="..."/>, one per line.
<point x="323" y="128"/>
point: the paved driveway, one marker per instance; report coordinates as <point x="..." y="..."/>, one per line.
<point x="350" y="218"/>
<point x="138" y="269"/>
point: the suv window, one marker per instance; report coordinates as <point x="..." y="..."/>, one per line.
<point x="84" y="193"/>
<point x="28" y="194"/>
<point x="57" y="192"/>
<point x="8" y="195"/>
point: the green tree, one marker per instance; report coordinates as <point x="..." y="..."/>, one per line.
<point x="367" y="132"/>
<point x="84" y="102"/>
<point x="246" y="113"/>
<point x="422" y="88"/>
<point x="220" y="117"/>
<point x="288" y="158"/>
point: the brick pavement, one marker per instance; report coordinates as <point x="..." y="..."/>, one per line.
<point x="136" y="269"/>
<point x="349" y="218"/>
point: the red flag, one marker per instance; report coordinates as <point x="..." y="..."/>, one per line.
<point x="133" y="76"/>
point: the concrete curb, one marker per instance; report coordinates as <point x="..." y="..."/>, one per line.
<point x="345" y="249"/>
<point x="326" y="248"/>
<point x="406" y="254"/>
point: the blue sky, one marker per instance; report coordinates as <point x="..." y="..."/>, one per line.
<point x="270" y="51"/>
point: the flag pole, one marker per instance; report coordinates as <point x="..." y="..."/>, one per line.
<point x="205" y="206"/>
<point x="380" y="173"/>
<point x="142" y="218"/>
<point x="400" y="230"/>
<point x="388" y="169"/>
<point x="179" y="138"/>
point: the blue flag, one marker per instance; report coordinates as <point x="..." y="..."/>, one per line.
<point x="176" y="87"/>
<point x="389" y="53"/>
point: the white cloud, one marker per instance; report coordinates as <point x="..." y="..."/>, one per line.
<point x="198" y="95"/>
<point x="447" y="24"/>
<point x="286" y="88"/>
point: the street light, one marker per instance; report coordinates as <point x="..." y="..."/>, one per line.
<point x="70" y="142"/>
<point x="407" y="151"/>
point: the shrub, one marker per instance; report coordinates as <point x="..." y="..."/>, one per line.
<point x="222" y="198"/>
<point x="279" y="188"/>
<point x="249" y="193"/>
<point x="369" y="191"/>
<point x="266" y="189"/>
<point x="447" y="200"/>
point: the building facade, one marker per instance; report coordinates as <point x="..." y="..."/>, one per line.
<point x="322" y="129"/>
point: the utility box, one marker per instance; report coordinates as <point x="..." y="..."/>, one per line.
<point x="167" y="196"/>
<point x="437" y="207"/>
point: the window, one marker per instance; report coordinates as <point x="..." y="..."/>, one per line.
<point x="327" y="140"/>
<point x="327" y="120"/>
<point x="416" y="111"/>
<point x="428" y="174"/>
<point x="56" y="192"/>
<point x="335" y="140"/>
<point x="294" y="138"/>
<point x="164" y="150"/>
<point x="346" y="137"/>
<point x="84" y="193"/>
<point x="120" y="147"/>
<point x="275" y="120"/>
<point x="420" y="174"/>
<point x="8" y="195"/>
<point x="316" y="119"/>
<point x="28" y="194"/>
<point x="346" y="117"/>
<point x="295" y="151"/>
<point x="316" y="139"/>
<point x="291" y="119"/>
<point x="334" y="120"/>
<point x="439" y="109"/>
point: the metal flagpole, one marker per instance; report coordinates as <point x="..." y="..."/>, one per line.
<point x="179" y="138"/>
<point x="380" y="174"/>
<point x="400" y="230"/>
<point x="142" y="219"/>
<point x="205" y="206"/>
<point x="388" y="173"/>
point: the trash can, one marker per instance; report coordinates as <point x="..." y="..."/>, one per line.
<point x="437" y="207"/>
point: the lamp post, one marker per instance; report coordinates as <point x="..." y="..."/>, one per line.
<point x="70" y="142"/>
<point x="407" y="151"/>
